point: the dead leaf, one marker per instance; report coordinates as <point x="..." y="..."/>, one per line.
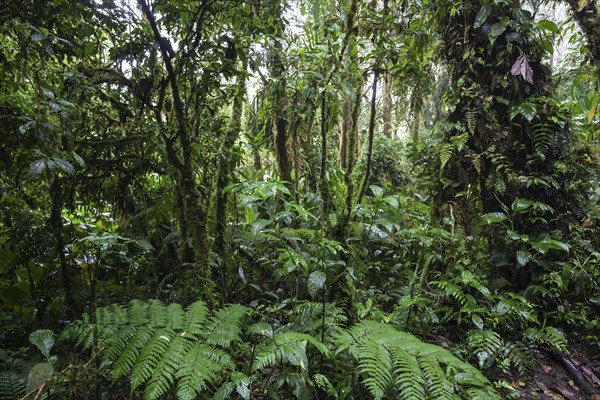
<point x="545" y="368"/>
<point x="566" y="392"/>
<point x="549" y="393"/>
<point x="522" y="67"/>
<point x="589" y="374"/>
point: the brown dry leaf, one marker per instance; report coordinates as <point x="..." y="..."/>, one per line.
<point x="589" y="374"/>
<point x="522" y="67"/>
<point x="568" y="393"/>
<point x="549" y="393"/>
<point x="545" y="368"/>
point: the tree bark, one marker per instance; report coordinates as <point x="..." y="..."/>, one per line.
<point x="225" y="161"/>
<point x="323" y="172"/>
<point x="194" y="218"/>
<point x="386" y="109"/>
<point x="365" y="181"/>
<point x="280" y="100"/>
<point x="587" y="16"/>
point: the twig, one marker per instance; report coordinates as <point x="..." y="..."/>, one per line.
<point x="40" y="389"/>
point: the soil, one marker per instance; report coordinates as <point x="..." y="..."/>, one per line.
<point x="564" y="377"/>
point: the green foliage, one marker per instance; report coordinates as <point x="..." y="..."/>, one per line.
<point x="12" y="385"/>
<point x="397" y="364"/>
<point x="186" y="352"/>
<point x="163" y="347"/>
<point x="141" y="157"/>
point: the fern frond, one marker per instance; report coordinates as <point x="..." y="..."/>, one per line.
<point x="127" y="357"/>
<point x="195" y="317"/>
<point x="145" y="366"/>
<point x="439" y="386"/>
<point x="391" y="361"/>
<point x="162" y="347"/>
<point x="287" y="347"/>
<point x="200" y="367"/>
<point x="543" y="137"/>
<point x="375" y="363"/>
<point x="12" y="385"/>
<point x="410" y="386"/>
<point x="310" y="317"/>
<point x="225" y="327"/>
<point x="485" y="344"/>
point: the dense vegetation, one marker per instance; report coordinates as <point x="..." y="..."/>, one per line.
<point x="296" y="198"/>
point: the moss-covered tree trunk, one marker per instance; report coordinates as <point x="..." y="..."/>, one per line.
<point x="193" y="217"/>
<point x="588" y="17"/>
<point x="226" y="159"/>
<point x="280" y="98"/>
<point x="494" y="146"/>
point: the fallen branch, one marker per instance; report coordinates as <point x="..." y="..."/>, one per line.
<point x="574" y="371"/>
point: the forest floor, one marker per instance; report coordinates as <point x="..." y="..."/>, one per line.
<point x="565" y="377"/>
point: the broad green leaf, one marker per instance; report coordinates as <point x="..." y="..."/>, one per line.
<point x="39" y="374"/>
<point x="392" y="201"/>
<point x="259" y="225"/>
<point x="512" y="235"/>
<point x="477" y="321"/>
<point x="316" y="281"/>
<point x="495" y="217"/>
<point x="547" y="45"/>
<point x="520" y="205"/>
<point x="523" y="257"/>
<point x="43" y="339"/>
<point x="482" y="16"/>
<point x="377" y="191"/>
<point x="497" y="29"/>
<point x="547" y="244"/>
<point x="549" y="26"/>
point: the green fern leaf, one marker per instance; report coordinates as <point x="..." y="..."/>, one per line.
<point x="411" y="386"/>
<point x="127" y="357"/>
<point x="391" y="361"/>
<point x="375" y="363"/>
<point x="145" y="365"/>
<point x="164" y="347"/>
<point x="12" y="385"/>
<point x="287" y="347"/>
<point x="225" y="327"/>
<point x="201" y="366"/>
<point x="195" y="317"/>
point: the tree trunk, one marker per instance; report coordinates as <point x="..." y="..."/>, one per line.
<point x="225" y="161"/>
<point x="57" y="196"/>
<point x="323" y="172"/>
<point x="343" y="136"/>
<point x="587" y="16"/>
<point x="280" y="101"/>
<point x="365" y="182"/>
<point x="386" y="109"/>
<point x="194" y="219"/>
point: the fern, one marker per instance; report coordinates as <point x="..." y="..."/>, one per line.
<point x="448" y="150"/>
<point x="287" y="347"/>
<point x="12" y="385"/>
<point x="485" y="344"/>
<point x="543" y="137"/>
<point x="163" y="347"/>
<point x="393" y="361"/>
